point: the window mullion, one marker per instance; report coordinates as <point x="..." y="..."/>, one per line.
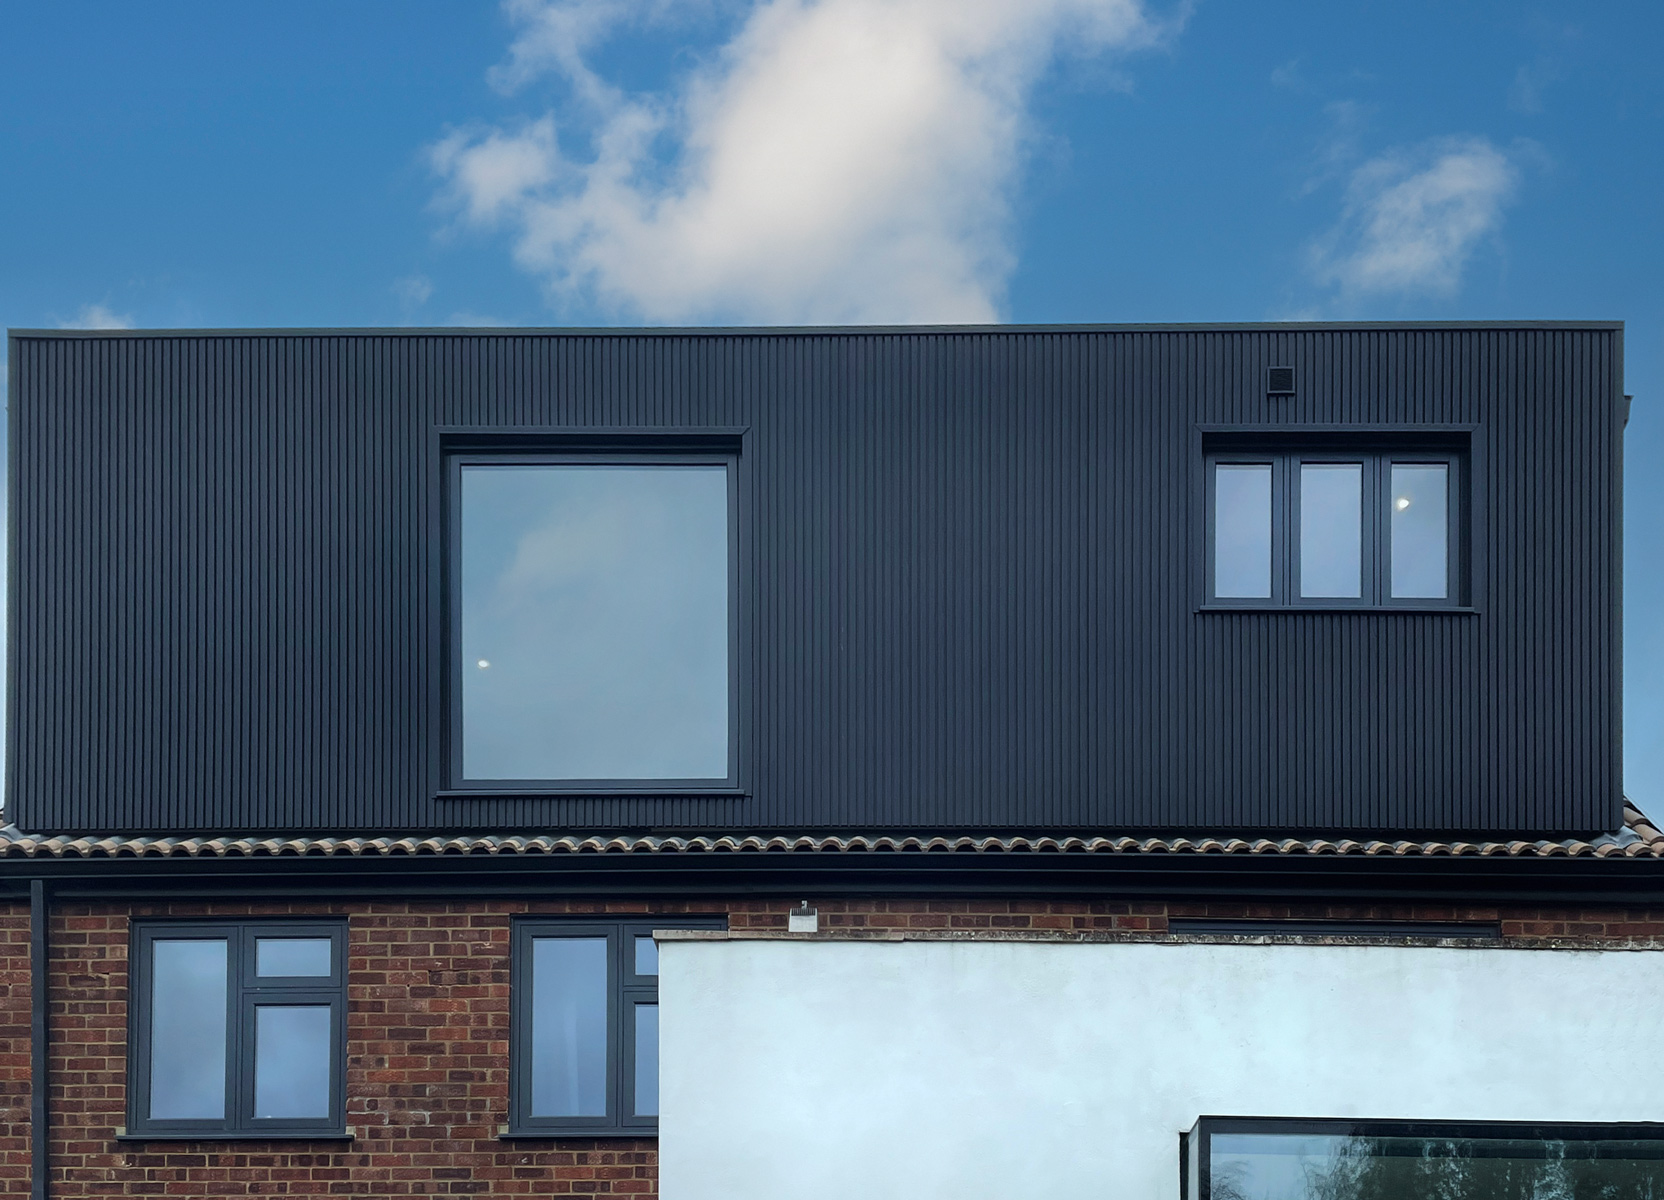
<point x="239" y="1084"/>
<point x="622" y="1089"/>
<point x="1375" y="528"/>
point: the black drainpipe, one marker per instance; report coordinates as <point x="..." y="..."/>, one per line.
<point x="40" y="1062"/>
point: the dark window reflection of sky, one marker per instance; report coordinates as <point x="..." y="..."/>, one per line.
<point x="1420" y="531"/>
<point x="1331" y="530"/>
<point x="291" y="1060"/>
<point x="595" y="622"/>
<point x="187" y="1033"/>
<point x="569" y="1027"/>
<point x="1242" y="530"/>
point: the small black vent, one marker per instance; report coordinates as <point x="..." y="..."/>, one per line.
<point x="1279" y="381"/>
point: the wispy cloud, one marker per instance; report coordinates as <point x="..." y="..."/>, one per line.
<point x="1287" y="75"/>
<point x="413" y="291"/>
<point x="97" y="316"/>
<point x="1558" y="45"/>
<point x="1531" y="81"/>
<point x="1412" y="218"/>
<point x="846" y="160"/>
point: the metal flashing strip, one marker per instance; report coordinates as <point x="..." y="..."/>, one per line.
<point x="1638" y="838"/>
<point x="706" y="331"/>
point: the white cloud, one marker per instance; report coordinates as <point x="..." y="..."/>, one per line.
<point x="838" y="160"/>
<point x="413" y="291"/>
<point x="1412" y="218"/>
<point x="97" y="316"/>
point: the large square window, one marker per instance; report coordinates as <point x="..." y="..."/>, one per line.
<point x="237" y="1029"/>
<point x="1268" y="1159"/>
<point x="584" y="1038"/>
<point x="1325" y="526"/>
<point x="594" y="626"/>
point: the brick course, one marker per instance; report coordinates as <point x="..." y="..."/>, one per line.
<point x="14" y="1050"/>
<point x="427" y="1079"/>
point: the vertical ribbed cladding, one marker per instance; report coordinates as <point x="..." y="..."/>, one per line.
<point x="970" y="562"/>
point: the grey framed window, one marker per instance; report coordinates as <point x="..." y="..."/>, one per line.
<point x="594" y="622"/>
<point x="1227" y="1158"/>
<point x="237" y="1029"/>
<point x="584" y="1026"/>
<point x="1327" y="526"/>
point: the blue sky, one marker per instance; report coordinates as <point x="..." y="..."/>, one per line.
<point x="693" y="161"/>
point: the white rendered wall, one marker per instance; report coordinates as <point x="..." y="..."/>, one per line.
<point x="862" y="1070"/>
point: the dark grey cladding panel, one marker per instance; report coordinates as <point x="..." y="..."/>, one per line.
<point x="970" y="577"/>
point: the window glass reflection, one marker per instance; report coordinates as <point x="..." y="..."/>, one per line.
<point x="187" y="1029"/>
<point x="1331" y="530"/>
<point x="647" y="956"/>
<point x="291" y="957"/>
<point x="569" y="1027"/>
<point x="1310" y="1167"/>
<point x="1420" y="531"/>
<point x="647" y="1060"/>
<point x="594" y="622"/>
<point x="1242" y="530"/>
<point x="291" y="1060"/>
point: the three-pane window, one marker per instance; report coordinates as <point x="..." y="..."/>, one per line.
<point x="585" y="1026"/>
<point x="593" y="643"/>
<point x="1331" y="528"/>
<point x="238" y="1028"/>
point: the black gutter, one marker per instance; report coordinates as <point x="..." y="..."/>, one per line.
<point x="1148" y="876"/>
<point x="40" y="1062"/>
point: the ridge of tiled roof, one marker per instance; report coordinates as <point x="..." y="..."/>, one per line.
<point x="1638" y="838"/>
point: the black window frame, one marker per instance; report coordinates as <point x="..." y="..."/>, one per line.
<point x="595" y="448"/>
<point x="625" y="989"/>
<point x="245" y="990"/>
<point x="1376" y="457"/>
<point x="1195" y="1157"/>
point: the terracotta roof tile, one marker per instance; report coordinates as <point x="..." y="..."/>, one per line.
<point x="1639" y="838"/>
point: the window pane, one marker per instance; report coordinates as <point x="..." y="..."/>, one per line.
<point x="1242" y="530"/>
<point x="280" y="957"/>
<point x="1331" y="530"/>
<point x="569" y="1027"/>
<point x="647" y="956"/>
<point x="1301" y="1166"/>
<point x="647" y="1060"/>
<point x="187" y="1029"/>
<point x="594" y="622"/>
<point x="291" y="1060"/>
<point x="1420" y="530"/>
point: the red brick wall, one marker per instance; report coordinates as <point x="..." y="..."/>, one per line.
<point x="428" y="1041"/>
<point x="14" y="1050"/>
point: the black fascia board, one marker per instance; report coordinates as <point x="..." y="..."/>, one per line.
<point x="1295" y="877"/>
<point x="681" y="331"/>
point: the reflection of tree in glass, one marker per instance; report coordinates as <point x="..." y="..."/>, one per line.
<point x="1229" y="1182"/>
<point x="1362" y="1168"/>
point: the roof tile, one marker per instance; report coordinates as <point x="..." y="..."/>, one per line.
<point x="1639" y="838"/>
